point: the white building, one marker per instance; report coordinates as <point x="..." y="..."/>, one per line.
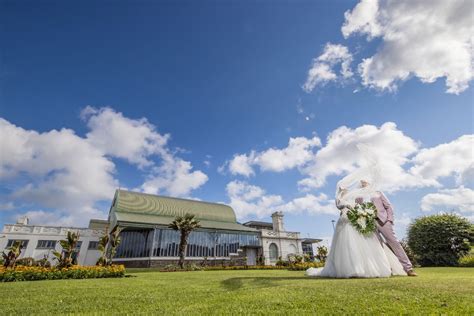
<point x="40" y="241"/>
<point x="279" y="243"/>
<point x="147" y="241"/>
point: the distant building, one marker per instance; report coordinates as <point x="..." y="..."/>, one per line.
<point x="146" y="240"/>
<point x="278" y="243"/>
<point x="40" y="241"/>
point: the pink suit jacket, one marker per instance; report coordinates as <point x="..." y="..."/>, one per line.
<point x="384" y="208"/>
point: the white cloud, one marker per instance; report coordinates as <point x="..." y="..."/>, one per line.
<point x="252" y="201"/>
<point x="454" y="158"/>
<point x="362" y="19"/>
<point x="63" y="170"/>
<point x="137" y="140"/>
<point x="241" y="164"/>
<point x="340" y="155"/>
<point x="248" y="199"/>
<point x="298" y="152"/>
<point x="312" y="204"/>
<point x="122" y="137"/>
<point x="425" y="39"/>
<point x="461" y="199"/>
<point x="174" y="177"/>
<point x="322" y="68"/>
<point x="68" y="174"/>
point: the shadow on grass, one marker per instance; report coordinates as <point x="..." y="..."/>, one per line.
<point x="234" y="284"/>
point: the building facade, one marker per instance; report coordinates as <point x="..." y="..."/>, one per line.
<point x="147" y="241"/>
<point x="40" y="241"/>
<point x="277" y="243"/>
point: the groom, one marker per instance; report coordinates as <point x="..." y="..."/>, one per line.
<point x="385" y="228"/>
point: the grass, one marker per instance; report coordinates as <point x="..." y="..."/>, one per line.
<point x="435" y="291"/>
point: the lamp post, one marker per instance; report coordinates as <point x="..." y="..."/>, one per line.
<point x="333" y="227"/>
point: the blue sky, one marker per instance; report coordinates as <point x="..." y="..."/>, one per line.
<point x="225" y="79"/>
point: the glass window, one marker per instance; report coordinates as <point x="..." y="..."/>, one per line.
<point x="93" y="245"/>
<point x="273" y="252"/>
<point x="46" y="244"/>
<point x="307" y="249"/>
<point x="201" y="243"/>
<point x="135" y="243"/>
<point x="11" y="242"/>
<point x="78" y="246"/>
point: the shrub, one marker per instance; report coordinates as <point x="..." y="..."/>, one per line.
<point x="440" y="240"/>
<point x="409" y="252"/>
<point x="177" y="268"/>
<point x="467" y="261"/>
<point x="305" y="265"/>
<point x="28" y="261"/>
<point x="281" y="263"/>
<point x="322" y="254"/>
<point x="25" y="273"/>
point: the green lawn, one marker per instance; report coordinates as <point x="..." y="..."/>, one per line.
<point x="436" y="290"/>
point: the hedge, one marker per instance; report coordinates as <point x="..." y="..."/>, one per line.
<point x="467" y="261"/>
<point x="25" y="273"/>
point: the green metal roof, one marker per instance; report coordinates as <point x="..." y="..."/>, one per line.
<point x="146" y="209"/>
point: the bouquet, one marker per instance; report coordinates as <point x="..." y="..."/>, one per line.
<point x="362" y="216"/>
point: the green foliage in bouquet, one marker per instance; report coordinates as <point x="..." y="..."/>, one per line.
<point x="362" y="216"/>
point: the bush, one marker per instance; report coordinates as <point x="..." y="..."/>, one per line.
<point x="25" y="273"/>
<point x="28" y="261"/>
<point x="305" y="266"/>
<point x="467" y="261"/>
<point x="281" y="262"/>
<point x="409" y="252"/>
<point x="322" y="254"/>
<point x="440" y="240"/>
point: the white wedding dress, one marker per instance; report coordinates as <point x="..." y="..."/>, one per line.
<point x="353" y="255"/>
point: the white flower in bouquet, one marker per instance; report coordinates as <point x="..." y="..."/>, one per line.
<point x="361" y="222"/>
<point x="369" y="211"/>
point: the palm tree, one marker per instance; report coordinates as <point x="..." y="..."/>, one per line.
<point x="102" y="247"/>
<point x="108" y="246"/>
<point x="66" y="259"/>
<point x="114" y="242"/>
<point x="13" y="253"/>
<point x="185" y="225"/>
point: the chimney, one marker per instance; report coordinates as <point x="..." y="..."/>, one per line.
<point x="23" y="220"/>
<point x="277" y="219"/>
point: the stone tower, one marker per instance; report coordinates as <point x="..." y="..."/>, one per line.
<point x="277" y="219"/>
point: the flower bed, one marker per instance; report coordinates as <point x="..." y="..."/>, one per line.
<point x="25" y="273"/>
<point x="295" y="267"/>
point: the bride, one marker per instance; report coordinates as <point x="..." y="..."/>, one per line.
<point x="352" y="254"/>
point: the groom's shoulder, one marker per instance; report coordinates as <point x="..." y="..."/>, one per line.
<point x="379" y="194"/>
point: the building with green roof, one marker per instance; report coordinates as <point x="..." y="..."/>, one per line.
<point x="146" y="240"/>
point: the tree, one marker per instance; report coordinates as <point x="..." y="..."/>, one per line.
<point x="440" y="240"/>
<point x="102" y="247"/>
<point x="66" y="257"/>
<point x="185" y="225"/>
<point x="322" y="254"/>
<point x="114" y="242"/>
<point x="13" y="253"/>
<point x="108" y="246"/>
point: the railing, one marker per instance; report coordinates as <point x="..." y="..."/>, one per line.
<point x="50" y="230"/>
